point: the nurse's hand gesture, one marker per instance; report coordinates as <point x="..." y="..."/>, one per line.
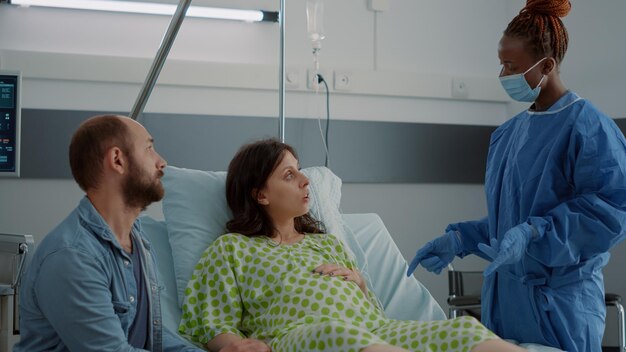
<point x="511" y="248"/>
<point x="438" y="253"/>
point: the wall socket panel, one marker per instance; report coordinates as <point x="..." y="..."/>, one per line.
<point x="460" y="89"/>
<point x="292" y="78"/>
<point x="342" y="80"/>
<point x="310" y="78"/>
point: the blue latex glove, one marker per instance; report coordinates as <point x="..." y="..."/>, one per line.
<point x="510" y="249"/>
<point x="437" y="254"/>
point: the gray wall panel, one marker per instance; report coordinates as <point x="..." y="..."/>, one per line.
<point x="46" y="137"/>
<point x="204" y="142"/>
<point x="360" y="151"/>
<point x="410" y="152"/>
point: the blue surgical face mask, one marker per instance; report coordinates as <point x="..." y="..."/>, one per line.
<point x="517" y="87"/>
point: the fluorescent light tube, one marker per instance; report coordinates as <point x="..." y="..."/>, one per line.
<point x="148" y="8"/>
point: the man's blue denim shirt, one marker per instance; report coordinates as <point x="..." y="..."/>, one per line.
<point x="78" y="293"/>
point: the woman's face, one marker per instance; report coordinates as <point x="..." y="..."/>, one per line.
<point x="515" y="58"/>
<point x="286" y="192"/>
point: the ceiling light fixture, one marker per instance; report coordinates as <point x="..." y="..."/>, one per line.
<point x="154" y="9"/>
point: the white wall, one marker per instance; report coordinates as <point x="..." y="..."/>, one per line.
<point x="432" y="41"/>
<point x="359" y="40"/>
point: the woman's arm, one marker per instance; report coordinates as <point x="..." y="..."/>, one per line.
<point x="212" y="305"/>
<point x="344" y="260"/>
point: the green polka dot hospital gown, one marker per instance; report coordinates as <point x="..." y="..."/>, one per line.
<point x="252" y="287"/>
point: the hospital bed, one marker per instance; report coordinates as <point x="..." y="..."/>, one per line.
<point x="195" y="212"/>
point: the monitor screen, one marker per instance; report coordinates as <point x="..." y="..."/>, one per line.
<point x="9" y="123"/>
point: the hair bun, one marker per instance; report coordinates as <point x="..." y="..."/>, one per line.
<point x="559" y="8"/>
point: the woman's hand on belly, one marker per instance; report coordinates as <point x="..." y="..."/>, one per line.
<point x="339" y="271"/>
<point x="242" y="345"/>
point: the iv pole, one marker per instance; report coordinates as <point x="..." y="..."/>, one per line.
<point x="281" y="75"/>
<point x="166" y="45"/>
<point x="159" y="59"/>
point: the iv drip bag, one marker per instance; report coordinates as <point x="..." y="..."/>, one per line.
<point x="315" y="22"/>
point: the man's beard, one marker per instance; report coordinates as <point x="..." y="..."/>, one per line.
<point x="139" y="189"/>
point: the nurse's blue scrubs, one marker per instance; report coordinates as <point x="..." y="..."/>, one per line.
<point x="563" y="171"/>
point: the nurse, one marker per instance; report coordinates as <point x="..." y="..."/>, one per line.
<point x="556" y="198"/>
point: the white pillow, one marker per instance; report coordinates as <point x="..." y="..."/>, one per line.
<point x="404" y="298"/>
<point x="196" y="213"/>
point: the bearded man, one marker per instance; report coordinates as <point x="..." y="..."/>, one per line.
<point x="92" y="284"/>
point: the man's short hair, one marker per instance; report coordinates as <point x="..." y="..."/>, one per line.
<point x="91" y="142"/>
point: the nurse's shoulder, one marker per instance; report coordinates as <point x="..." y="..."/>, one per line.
<point x="508" y="127"/>
<point x="591" y="122"/>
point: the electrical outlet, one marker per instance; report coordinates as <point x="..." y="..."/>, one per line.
<point x="342" y="80"/>
<point x="311" y="79"/>
<point x="292" y="78"/>
<point x="460" y="89"/>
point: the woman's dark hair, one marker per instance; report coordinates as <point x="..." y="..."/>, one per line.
<point x="247" y="173"/>
<point x="540" y="26"/>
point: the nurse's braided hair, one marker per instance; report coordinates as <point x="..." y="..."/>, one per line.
<point x="540" y="26"/>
